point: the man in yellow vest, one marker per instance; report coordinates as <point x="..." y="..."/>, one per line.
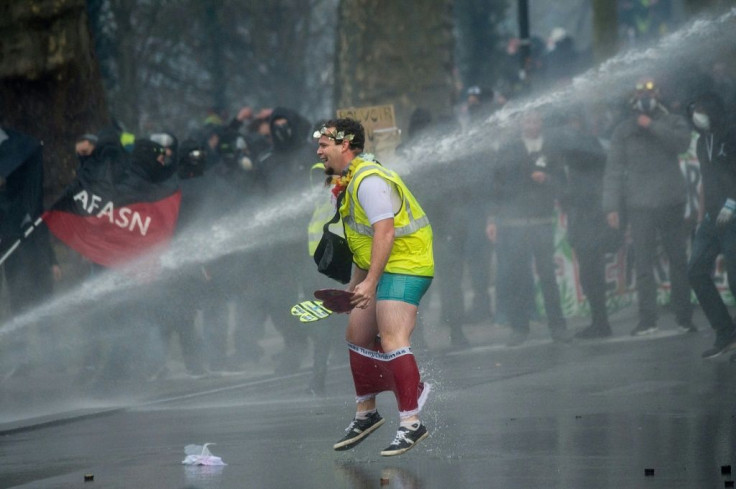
<point x="391" y="241"/>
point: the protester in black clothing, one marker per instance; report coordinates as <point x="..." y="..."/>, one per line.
<point x="716" y="150"/>
<point x="561" y="60"/>
<point x="31" y="268"/>
<point x="120" y="332"/>
<point x="226" y="183"/>
<point x="587" y="231"/>
<point x="180" y="295"/>
<point x="285" y="168"/>
<point x="29" y="271"/>
<point x="525" y="189"/>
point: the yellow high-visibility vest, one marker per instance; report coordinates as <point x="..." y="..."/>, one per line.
<point x="324" y="210"/>
<point x="127" y="141"/>
<point x="412" y="250"/>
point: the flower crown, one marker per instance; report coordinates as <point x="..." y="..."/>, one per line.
<point x="335" y="136"/>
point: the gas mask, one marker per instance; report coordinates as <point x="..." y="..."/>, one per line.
<point x="701" y="121"/>
<point x="146" y="155"/>
<point x="645" y="104"/>
<point x="169" y="142"/>
<point x="282" y="132"/>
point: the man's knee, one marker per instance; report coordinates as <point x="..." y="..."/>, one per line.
<point x="394" y="340"/>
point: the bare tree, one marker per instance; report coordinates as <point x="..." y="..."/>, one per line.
<point x="169" y="61"/>
<point x="50" y="85"/>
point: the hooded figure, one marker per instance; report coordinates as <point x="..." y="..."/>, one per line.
<point x="148" y="159"/>
<point x="170" y="144"/>
<point x="288" y="164"/>
<point x="289" y="130"/>
<point x="716" y="234"/>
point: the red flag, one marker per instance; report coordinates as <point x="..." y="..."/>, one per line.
<point x="113" y="220"/>
<point x="113" y="236"/>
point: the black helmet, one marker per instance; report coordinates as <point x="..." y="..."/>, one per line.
<point x="192" y="159"/>
<point x="148" y="155"/>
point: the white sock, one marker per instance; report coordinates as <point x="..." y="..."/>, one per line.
<point x="363" y="415"/>
<point x="410" y="425"/>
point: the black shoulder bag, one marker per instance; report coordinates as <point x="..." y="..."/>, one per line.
<point x="333" y="256"/>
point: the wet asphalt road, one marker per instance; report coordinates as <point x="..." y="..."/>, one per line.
<point x="596" y="414"/>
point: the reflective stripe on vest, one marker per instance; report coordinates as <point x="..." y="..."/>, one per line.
<point x="414" y="224"/>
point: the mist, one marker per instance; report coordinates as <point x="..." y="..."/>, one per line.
<point x="57" y="332"/>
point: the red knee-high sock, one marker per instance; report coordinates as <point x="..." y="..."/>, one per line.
<point x="405" y="372"/>
<point x="375" y="371"/>
<point x="371" y="374"/>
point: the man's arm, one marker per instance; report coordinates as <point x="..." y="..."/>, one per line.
<point x="383" y="241"/>
<point x="673" y="132"/>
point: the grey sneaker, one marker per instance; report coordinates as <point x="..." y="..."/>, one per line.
<point x="687" y="327"/>
<point x="358" y="430"/>
<point x="643" y="329"/>
<point x="720" y="347"/>
<point x="405" y="440"/>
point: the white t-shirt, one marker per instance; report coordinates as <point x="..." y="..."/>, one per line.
<point x="379" y="198"/>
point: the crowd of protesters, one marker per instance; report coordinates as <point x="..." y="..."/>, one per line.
<point x="608" y="167"/>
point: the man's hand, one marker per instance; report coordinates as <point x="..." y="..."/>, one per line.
<point x="491" y="232"/>
<point x="246" y="113"/>
<point x="539" y="176"/>
<point x="644" y="121"/>
<point x="613" y="220"/>
<point x="383" y="240"/>
<point x="363" y="294"/>
<point x="726" y="214"/>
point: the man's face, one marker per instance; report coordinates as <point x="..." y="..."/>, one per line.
<point x="213" y="141"/>
<point x="264" y="129"/>
<point x="331" y="153"/>
<point x="531" y="125"/>
<point x="161" y="157"/>
<point x="84" y="147"/>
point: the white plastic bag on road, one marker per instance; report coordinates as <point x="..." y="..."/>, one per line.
<point x="200" y="455"/>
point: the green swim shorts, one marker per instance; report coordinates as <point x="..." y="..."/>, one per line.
<point x="404" y="288"/>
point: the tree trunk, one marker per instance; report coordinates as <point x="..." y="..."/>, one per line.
<point x="605" y="30"/>
<point x="215" y="64"/>
<point x="404" y="56"/>
<point x="50" y="85"/>
<point x="124" y="98"/>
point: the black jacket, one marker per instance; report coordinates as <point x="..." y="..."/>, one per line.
<point x="515" y="193"/>
<point x="716" y="150"/>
